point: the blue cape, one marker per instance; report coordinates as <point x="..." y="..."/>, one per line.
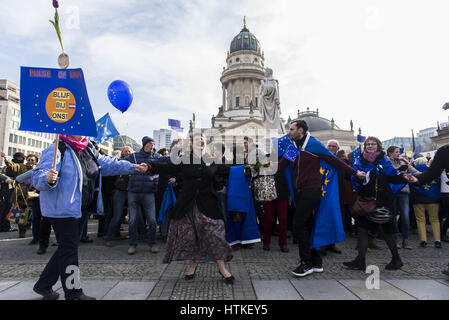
<point x="168" y="202"/>
<point x="240" y="199"/>
<point x="431" y="189"/>
<point x="328" y="225"/>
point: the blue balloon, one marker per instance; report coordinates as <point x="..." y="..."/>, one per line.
<point x="120" y="95"/>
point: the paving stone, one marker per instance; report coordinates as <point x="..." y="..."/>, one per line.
<point x="385" y="292"/>
<point x="7" y="284"/>
<point x="423" y="289"/>
<point x="322" y="290"/>
<point x="21" y="291"/>
<point x="130" y="290"/>
<point x="275" y="290"/>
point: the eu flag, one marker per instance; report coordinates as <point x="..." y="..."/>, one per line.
<point x="106" y="129"/>
<point x="328" y="225"/>
<point x="431" y="189"/>
<point x="174" y="123"/>
<point x="361" y="138"/>
<point x="282" y="145"/>
<point x="55" y="101"/>
<point x="354" y="155"/>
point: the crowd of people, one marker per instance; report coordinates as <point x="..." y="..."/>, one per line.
<point x="382" y="194"/>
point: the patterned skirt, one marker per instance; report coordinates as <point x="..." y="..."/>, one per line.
<point x="198" y="238"/>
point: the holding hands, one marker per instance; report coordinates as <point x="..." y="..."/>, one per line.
<point x="361" y="175"/>
<point x="143" y="167"/>
<point x="411" y="178"/>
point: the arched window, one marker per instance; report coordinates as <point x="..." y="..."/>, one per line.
<point x="237" y="101"/>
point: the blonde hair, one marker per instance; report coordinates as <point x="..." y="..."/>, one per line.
<point x="421" y="160"/>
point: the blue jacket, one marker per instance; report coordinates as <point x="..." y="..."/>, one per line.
<point x="63" y="200"/>
<point x="142" y="182"/>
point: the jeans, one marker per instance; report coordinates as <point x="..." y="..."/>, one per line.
<point x="120" y="197"/>
<point x="84" y="224"/>
<point x="36" y="221"/>
<point x="146" y="201"/>
<point x="44" y="232"/>
<point x="402" y="201"/>
<point x="306" y="202"/>
<point x="68" y="236"/>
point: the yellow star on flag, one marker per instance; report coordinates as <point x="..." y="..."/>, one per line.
<point x="326" y="182"/>
<point x="321" y="170"/>
<point x="427" y="187"/>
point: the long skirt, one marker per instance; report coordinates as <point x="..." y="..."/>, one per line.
<point x="198" y="238"/>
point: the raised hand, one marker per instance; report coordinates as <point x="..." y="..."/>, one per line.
<point x="411" y="178"/>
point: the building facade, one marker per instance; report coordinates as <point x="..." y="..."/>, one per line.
<point x="11" y="139"/>
<point x="163" y="138"/>
<point x="120" y="141"/>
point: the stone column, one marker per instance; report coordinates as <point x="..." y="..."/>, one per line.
<point x="224" y="97"/>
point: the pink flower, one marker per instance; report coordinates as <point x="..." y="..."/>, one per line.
<point x="55" y="4"/>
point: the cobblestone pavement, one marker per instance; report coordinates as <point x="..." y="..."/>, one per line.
<point x="19" y="261"/>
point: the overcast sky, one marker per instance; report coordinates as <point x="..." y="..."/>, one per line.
<point x="382" y="64"/>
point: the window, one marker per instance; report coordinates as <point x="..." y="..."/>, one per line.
<point x="29" y="141"/>
<point x="237" y="59"/>
<point x="237" y="101"/>
<point x="11" y="137"/>
<point x="257" y="102"/>
<point x="10" y="152"/>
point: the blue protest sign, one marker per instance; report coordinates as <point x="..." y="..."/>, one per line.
<point x="55" y="101"/>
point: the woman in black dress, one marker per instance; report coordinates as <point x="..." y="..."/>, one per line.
<point x="197" y="229"/>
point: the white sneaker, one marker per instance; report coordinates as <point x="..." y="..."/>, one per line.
<point x="131" y="250"/>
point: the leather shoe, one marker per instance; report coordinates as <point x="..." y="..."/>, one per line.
<point x="41" y="250"/>
<point x="266" y="247"/>
<point x="333" y="248"/>
<point x="284" y="249"/>
<point x="229" y="279"/>
<point x="190" y="276"/>
<point x="86" y="240"/>
<point x="83" y="297"/>
<point x="34" y="241"/>
<point x="48" y="294"/>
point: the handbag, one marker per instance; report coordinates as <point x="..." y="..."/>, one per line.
<point x="265" y="188"/>
<point x="17" y="215"/>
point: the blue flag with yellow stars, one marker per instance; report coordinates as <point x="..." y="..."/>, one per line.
<point x="106" y="129"/>
<point x="354" y="155"/>
<point x="328" y="224"/>
<point x="283" y="144"/>
<point x="431" y="189"/>
<point x="55" y="101"/>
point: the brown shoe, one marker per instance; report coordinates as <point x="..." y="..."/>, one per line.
<point x="154" y="249"/>
<point x="406" y="245"/>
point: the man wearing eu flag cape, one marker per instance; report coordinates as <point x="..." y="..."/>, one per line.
<point x="317" y="220"/>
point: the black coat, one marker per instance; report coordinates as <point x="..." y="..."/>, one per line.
<point x="199" y="184"/>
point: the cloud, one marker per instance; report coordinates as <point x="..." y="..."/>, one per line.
<point x="373" y="63"/>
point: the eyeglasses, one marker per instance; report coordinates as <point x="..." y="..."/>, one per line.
<point x="371" y="144"/>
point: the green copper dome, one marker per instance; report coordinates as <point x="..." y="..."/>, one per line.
<point x="245" y="40"/>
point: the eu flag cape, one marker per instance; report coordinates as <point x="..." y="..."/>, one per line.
<point x="431" y="189"/>
<point x="106" y="129"/>
<point x="55" y="101"/>
<point x="328" y="225"/>
<point x="240" y="199"/>
<point x="168" y="202"/>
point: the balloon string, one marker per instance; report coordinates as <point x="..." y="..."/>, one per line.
<point x="123" y="142"/>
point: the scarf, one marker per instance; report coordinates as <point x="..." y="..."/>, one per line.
<point x="370" y="157"/>
<point x="77" y="146"/>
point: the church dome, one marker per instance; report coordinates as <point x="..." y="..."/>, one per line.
<point x="317" y="123"/>
<point x="245" y="40"/>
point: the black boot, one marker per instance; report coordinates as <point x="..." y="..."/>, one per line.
<point x="356" y="264"/>
<point x="395" y="264"/>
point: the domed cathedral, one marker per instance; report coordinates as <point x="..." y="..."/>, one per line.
<point x="241" y="85"/>
<point x="325" y="130"/>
